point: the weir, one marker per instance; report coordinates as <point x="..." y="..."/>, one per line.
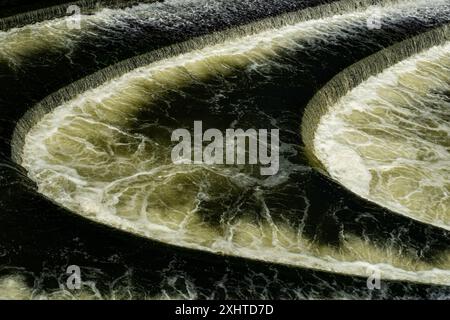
<point x="59" y="33"/>
<point x="34" y="114"/>
<point x="59" y="11"/>
<point x="168" y="69"/>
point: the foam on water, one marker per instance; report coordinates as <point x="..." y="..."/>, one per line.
<point x="84" y="156"/>
<point x="394" y="130"/>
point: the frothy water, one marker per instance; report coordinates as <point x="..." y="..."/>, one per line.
<point x="394" y="130"/>
<point x="96" y="156"/>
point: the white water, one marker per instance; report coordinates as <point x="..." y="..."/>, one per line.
<point x="394" y="130"/>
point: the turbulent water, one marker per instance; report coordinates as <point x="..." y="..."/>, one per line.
<point x="106" y="155"/>
<point x="101" y="148"/>
<point x="168" y="19"/>
<point x="394" y="129"/>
